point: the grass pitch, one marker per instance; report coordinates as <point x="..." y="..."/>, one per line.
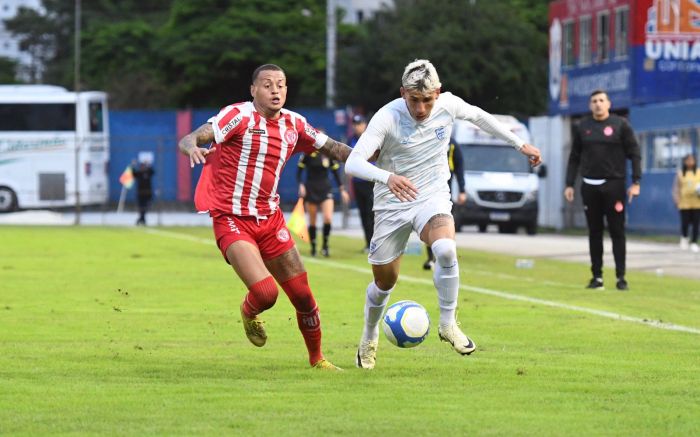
<point x="126" y="331"/>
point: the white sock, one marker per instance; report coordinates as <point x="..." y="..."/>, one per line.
<point x="375" y="302"/>
<point x="446" y="278"/>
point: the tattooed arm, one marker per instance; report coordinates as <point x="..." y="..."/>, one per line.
<point x="336" y="150"/>
<point x="191" y="143"/>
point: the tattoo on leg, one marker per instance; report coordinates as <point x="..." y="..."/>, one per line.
<point x="285" y="266"/>
<point x="440" y="220"/>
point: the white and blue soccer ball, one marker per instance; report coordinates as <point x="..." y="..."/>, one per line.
<point x="406" y="323"/>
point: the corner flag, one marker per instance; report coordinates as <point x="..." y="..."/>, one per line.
<point x="297" y="221"/>
<point x="127" y="178"/>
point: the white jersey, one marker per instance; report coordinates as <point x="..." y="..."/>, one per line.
<point x="416" y="150"/>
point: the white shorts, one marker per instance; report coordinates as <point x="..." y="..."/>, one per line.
<point x="393" y="227"/>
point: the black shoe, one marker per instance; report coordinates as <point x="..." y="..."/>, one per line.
<point x="622" y="284"/>
<point x="596" y="284"/>
<point x="428" y="265"/>
<point x="325" y="252"/>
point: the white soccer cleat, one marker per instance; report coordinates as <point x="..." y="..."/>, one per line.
<point x="684" y="243"/>
<point x="367" y="354"/>
<point x="694" y="248"/>
<point x="459" y="341"/>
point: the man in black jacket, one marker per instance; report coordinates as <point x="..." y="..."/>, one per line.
<point x="602" y="144"/>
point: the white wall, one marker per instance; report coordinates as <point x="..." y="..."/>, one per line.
<point x="552" y="135"/>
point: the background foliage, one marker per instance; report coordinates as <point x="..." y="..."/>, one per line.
<point x="201" y="53"/>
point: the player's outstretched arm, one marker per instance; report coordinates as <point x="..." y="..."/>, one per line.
<point x="191" y="144"/>
<point x="336" y="150"/>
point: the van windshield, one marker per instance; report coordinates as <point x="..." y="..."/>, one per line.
<point x="493" y="158"/>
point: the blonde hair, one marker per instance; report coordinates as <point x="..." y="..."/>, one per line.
<point x="420" y="75"/>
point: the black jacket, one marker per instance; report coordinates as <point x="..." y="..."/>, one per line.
<point x="600" y="149"/>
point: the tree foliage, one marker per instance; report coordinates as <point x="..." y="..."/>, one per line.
<point x="485" y="52"/>
<point x="160" y="53"/>
<point x="8" y="70"/>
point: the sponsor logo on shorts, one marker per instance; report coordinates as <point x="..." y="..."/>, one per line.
<point x="372" y="247"/>
<point x="283" y="235"/>
<point x="291" y="136"/>
<point x="232" y="226"/>
<point x="619" y="206"/>
<point x="440" y="133"/>
<point x="608" y="131"/>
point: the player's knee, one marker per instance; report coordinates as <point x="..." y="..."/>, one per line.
<point x="445" y="251"/>
<point x="265" y="293"/>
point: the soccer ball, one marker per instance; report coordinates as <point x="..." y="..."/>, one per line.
<point x="406" y="323"/>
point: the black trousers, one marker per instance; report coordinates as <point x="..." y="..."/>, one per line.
<point x="690" y="218"/>
<point x="364" y="197"/>
<point x="605" y="201"/>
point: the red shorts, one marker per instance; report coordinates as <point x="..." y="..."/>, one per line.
<point x="271" y="236"/>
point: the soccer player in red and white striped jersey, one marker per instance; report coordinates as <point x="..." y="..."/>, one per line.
<point x="238" y="186"/>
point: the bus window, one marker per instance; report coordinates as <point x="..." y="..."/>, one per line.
<point x="95" y="109"/>
<point x="37" y="117"/>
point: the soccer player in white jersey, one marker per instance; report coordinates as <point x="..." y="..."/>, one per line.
<point x="238" y="186"/>
<point x="411" y="135"/>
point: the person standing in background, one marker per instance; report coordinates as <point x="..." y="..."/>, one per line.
<point x="316" y="193"/>
<point x="687" y="200"/>
<point x="364" y="190"/>
<point x="143" y="173"/>
<point x="602" y="144"/>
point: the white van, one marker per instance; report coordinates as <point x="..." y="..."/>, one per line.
<point x="52" y="143"/>
<point x="501" y="186"/>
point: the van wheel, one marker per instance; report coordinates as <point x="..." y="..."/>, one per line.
<point x="482" y="227"/>
<point x="8" y="200"/>
<point x="531" y="228"/>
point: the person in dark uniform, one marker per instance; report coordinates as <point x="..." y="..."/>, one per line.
<point x="456" y="162"/>
<point x="317" y="192"/>
<point x="363" y="190"/>
<point x="602" y="144"/>
<point x="143" y="173"/>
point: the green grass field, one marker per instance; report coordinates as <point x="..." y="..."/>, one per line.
<point x="126" y="331"/>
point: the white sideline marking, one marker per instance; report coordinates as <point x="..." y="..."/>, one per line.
<point x="502" y="294"/>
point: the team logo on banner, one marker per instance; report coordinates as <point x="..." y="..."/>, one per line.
<point x="290" y="136"/>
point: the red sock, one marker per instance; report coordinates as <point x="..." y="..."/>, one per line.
<point x="260" y="297"/>
<point x="308" y="320"/>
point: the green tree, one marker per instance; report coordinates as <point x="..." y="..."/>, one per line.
<point x="212" y="47"/>
<point x="486" y="52"/>
<point x="110" y="57"/>
<point x="8" y="71"/>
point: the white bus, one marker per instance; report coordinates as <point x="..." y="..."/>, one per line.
<point x="40" y="126"/>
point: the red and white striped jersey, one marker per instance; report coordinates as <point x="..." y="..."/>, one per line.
<point x="242" y="175"/>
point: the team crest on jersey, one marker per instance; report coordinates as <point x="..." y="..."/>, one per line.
<point x="283" y="235"/>
<point x="608" y="131"/>
<point x="291" y="136"/>
<point x="440" y="133"/>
